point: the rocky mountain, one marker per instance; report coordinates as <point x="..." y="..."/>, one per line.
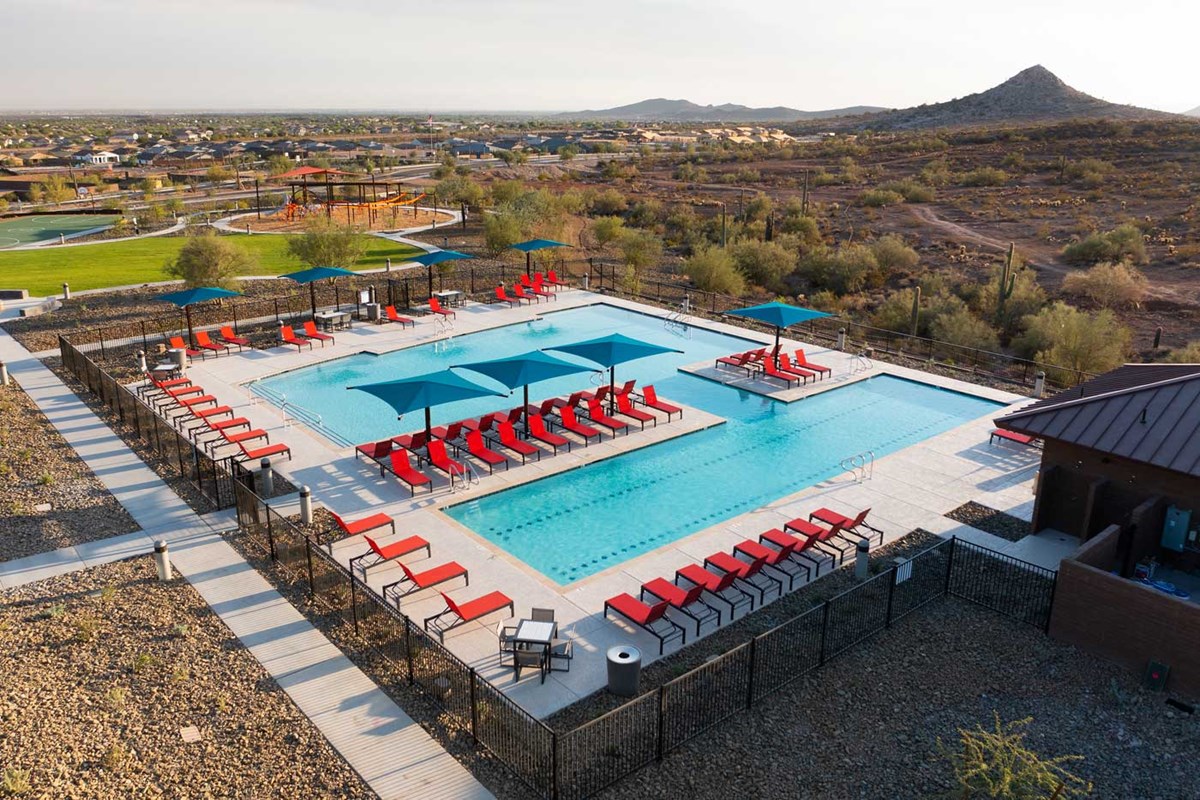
<point x="662" y="110"/>
<point x="1032" y="95"/>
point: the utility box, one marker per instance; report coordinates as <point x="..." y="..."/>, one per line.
<point x="1175" y="528"/>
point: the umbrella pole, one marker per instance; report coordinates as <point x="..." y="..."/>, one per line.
<point x="428" y="425"/>
<point x="528" y="260"/>
<point x="612" y="390"/>
<point x="187" y="310"/>
<point x="233" y="310"/>
<point x="312" y="293"/>
<point x="527" y="405"/>
<point x="776" y="344"/>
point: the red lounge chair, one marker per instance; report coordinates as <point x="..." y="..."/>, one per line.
<point x="539" y="290"/>
<point x="460" y="614"/>
<point x="208" y="426"/>
<point x="598" y="395"/>
<point x="648" y="618"/>
<point x="802" y="361"/>
<point x="451" y="432"/>
<point x="596" y="414"/>
<point x="831" y="517"/>
<point x="769" y="370"/>
<point x="552" y="278"/>
<point x="435" y="307"/>
<point x="570" y="422"/>
<point x="376" y="451"/>
<point x="719" y="585"/>
<point x="205" y="343"/>
<point x="508" y="439"/>
<point x="311" y="332"/>
<point x="624" y="406"/>
<point x="477" y="448"/>
<point x="542" y="281"/>
<point x="572" y="401"/>
<point x="1012" y="436"/>
<point x="801" y="548"/>
<point x="779" y="560"/>
<point x="288" y="336"/>
<point x="742" y="360"/>
<point x="436" y="451"/>
<point x="363" y="525"/>
<point x="264" y="452"/>
<point x="785" y="365"/>
<point x="229" y="337"/>
<point x="402" y="468"/>
<point x="683" y="600"/>
<point x="204" y="414"/>
<point x="380" y="555"/>
<point x="173" y="396"/>
<point x="502" y="297"/>
<point x="392" y="316"/>
<point x="519" y="293"/>
<point x="828" y="540"/>
<point x="159" y="387"/>
<point x="176" y="343"/>
<point x="748" y="572"/>
<point x="412" y="442"/>
<point x="188" y="403"/>
<point x="536" y="427"/>
<point x="416" y="581"/>
<point x="649" y="398"/>
<point x="227" y="438"/>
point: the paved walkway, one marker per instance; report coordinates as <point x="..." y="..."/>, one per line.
<point x="383" y="744"/>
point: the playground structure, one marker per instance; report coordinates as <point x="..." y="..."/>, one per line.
<point x="365" y="203"/>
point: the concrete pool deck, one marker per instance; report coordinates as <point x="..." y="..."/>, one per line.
<point x="914" y="487"/>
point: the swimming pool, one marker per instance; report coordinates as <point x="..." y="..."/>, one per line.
<point x="582" y="521"/>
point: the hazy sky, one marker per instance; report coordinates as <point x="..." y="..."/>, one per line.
<point x="563" y="55"/>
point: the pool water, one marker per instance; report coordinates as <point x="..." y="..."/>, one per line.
<point x="579" y="522"/>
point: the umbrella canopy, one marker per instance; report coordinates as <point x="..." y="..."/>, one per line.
<point x="436" y="257"/>
<point x="426" y="391"/>
<point x="781" y="315"/>
<point x="312" y="275"/>
<point x="524" y="369"/>
<point x="185" y="298"/>
<point x="608" y="351"/>
<point x="534" y="244"/>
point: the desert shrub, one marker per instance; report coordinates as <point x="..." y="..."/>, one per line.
<point x="995" y="763"/>
<point x="843" y="271"/>
<point x="326" y="242"/>
<point x="1090" y="172"/>
<point x="963" y="328"/>
<point x="506" y="192"/>
<point x="891" y="253"/>
<point x="878" y="198"/>
<point x="461" y="189"/>
<point x="1015" y="161"/>
<point x="210" y="260"/>
<point x="935" y="173"/>
<point x="607" y="230"/>
<point x="501" y="231"/>
<point x="639" y="249"/>
<point x="1119" y="285"/>
<point x="763" y="263"/>
<point x="895" y="312"/>
<point x="609" y="202"/>
<point x="983" y="176"/>
<point x="758" y="207"/>
<point x="912" y="191"/>
<point x="714" y="270"/>
<point x="1190" y="354"/>
<point x="1064" y="336"/>
<point x="645" y="213"/>
<point x="1122" y="243"/>
<point x="1027" y="298"/>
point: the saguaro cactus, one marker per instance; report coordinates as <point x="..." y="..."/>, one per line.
<point x="916" y="310"/>
<point x="1008" y="280"/>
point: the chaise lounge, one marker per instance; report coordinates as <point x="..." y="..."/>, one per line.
<point x="462" y="613"/>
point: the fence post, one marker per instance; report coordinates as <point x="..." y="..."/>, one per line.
<point x="145" y="345"/>
<point x="312" y="589"/>
<point x="271" y="539"/>
<point x="887" y="623"/>
<point x="275" y="302"/>
<point x="354" y="601"/>
<point x="750" y="682"/>
<point x="824" y="630"/>
<point x="474" y="708"/>
<point x="408" y="648"/>
<point x="103" y="354"/>
<point x="554" y="765"/>
<point x="662" y="713"/>
<point x="950" y="563"/>
<point x="1050" y="606"/>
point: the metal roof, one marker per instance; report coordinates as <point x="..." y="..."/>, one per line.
<point x="1148" y="413"/>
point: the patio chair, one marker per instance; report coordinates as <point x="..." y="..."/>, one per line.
<point x="686" y="601"/>
<point x="831" y="517"/>
<point x="570" y="422"/>
<point x="828" y="540"/>
<point x="596" y="414"/>
<point x="264" y="452"/>
<point x="177" y="343"/>
<point x="477" y="448"/>
<point x="649" y="398"/>
<point x="543" y="615"/>
<point x="802" y="361"/>
<point x="435" y="307"/>
<point x="801" y="548"/>
<point x="390" y="315"/>
<point x="288" y="336"/>
<point x="536" y="428"/>
<point x="413" y="582"/>
<point x="779" y="560"/>
<point x="382" y="554"/>
<point x="437" y="457"/>
<point x="311" y="332"/>
<point x="749" y="573"/>
<point x="205" y="343"/>
<point x="562" y="650"/>
<point x="553" y="279"/>
<point x="625" y="407"/>
<point x="376" y="451"/>
<point x="399" y="465"/>
<point x="504" y="639"/>
<point x="508" y="438"/>
<point x="502" y="297"/>
<point x="228" y="336"/>
<point x="355" y="527"/>
<point x="456" y="614"/>
<point x="652" y="619"/>
<point x="719" y="585"/>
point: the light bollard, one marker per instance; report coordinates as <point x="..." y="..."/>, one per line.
<point x="1039" y="384"/>
<point x="306" y="505"/>
<point x="841" y="340"/>
<point x="143" y="367"/>
<point x="861" y="563"/>
<point x="266" y="478"/>
<point x="66" y="291"/>
<point x="3" y="374"/>
<point x="162" y="560"/>
<point x="586" y="281"/>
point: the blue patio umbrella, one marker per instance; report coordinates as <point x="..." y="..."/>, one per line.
<point x="314" y="274"/>
<point x="534" y="244"/>
<point x="187" y="297"/>
<point x="781" y="315"/>
<point x="608" y="351"/>
<point x="436" y="257"/>
<point x="524" y="369"/>
<point x="426" y="391"/>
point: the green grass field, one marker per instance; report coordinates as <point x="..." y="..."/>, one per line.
<point x="97" y="266"/>
<point x="41" y="227"/>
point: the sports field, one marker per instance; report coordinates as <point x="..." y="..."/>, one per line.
<point x="96" y="266"/>
<point x="44" y="227"/>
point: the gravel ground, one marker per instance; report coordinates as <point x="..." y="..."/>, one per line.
<point x="989" y="520"/>
<point x="39" y="468"/>
<point x="867" y="724"/>
<point x="104" y="668"/>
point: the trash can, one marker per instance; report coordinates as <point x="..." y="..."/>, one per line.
<point x="624" y="670"/>
<point x="373" y="314"/>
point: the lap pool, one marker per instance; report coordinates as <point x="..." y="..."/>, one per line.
<point x="582" y="521"/>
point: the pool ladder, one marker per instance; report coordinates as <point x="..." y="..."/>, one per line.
<point x="679" y="323"/>
<point x="860" y="465"/>
<point x="860" y="363"/>
<point x="471" y="478"/>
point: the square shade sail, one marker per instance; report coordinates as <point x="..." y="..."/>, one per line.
<point x="424" y="391"/>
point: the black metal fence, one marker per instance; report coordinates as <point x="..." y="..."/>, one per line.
<point x="581" y="762"/>
<point x="212" y="477"/>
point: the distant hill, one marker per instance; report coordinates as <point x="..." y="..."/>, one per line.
<point x="1032" y="95"/>
<point x="662" y="110"/>
<point x="1195" y="112"/>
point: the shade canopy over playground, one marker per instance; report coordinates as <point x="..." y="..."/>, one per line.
<point x="311" y="275"/>
<point x="534" y="244"/>
<point x="780" y="315"/>
<point x="186" y="298"/>
<point x="303" y="172"/>
<point x="524" y="369"/>
<point x="425" y="391"/>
